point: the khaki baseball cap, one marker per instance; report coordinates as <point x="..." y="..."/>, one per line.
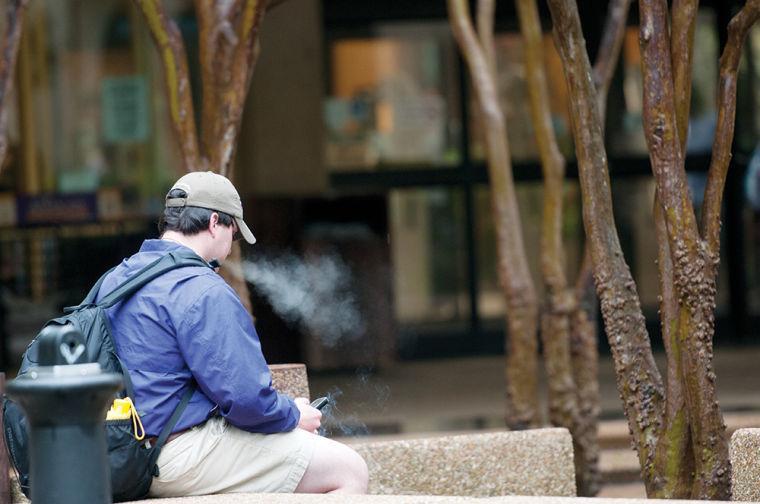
<point x="214" y="192"/>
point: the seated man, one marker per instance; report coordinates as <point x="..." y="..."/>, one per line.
<point x="188" y="328"/>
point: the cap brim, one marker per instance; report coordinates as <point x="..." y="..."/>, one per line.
<point x="247" y="235"/>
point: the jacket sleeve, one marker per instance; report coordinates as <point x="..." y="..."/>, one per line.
<point x="219" y="343"/>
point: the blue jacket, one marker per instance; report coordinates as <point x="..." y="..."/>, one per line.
<point x="189" y="324"/>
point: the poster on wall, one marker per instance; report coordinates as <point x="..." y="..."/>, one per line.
<point x="125" y="109"/>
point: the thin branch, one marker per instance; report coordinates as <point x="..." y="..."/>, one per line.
<point x="661" y="132"/>
<point x="583" y="337"/>
<point x="738" y="29"/>
<point x="684" y="20"/>
<point x="585" y="362"/>
<point x="171" y="49"/>
<point x="555" y="329"/>
<point x="9" y="51"/>
<point x="522" y="311"/>
<point x="602" y="72"/>
<point x="555" y="323"/>
<point x="552" y="161"/>
<point x="205" y="14"/>
<point x="609" y="51"/>
<point x="274" y="3"/>
<point x="485" y="15"/>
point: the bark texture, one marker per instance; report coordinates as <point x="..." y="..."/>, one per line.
<point x="228" y="33"/>
<point x="638" y="380"/>
<point x="14" y="22"/>
<point x="676" y="478"/>
<point x="228" y="50"/>
<point x="514" y="276"/>
<point x="583" y="337"/>
<point x="674" y="463"/>
<point x="691" y="259"/>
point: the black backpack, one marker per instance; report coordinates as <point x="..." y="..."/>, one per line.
<point x="133" y="462"/>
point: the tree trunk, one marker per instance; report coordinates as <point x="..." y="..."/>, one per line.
<point x="228" y="50"/>
<point x="171" y="49"/>
<point x="682" y="446"/>
<point x="675" y="443"/>
<point x="690" y="257"/>
<point x="555" y="320"/>
<point x="638" y="379"/>
<point x="519" y="292"/>
<point x="14" y="23"/>
<point x="567" y="330"/>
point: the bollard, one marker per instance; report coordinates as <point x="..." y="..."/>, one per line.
<point x="65" y="401"/>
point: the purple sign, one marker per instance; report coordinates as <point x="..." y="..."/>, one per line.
<point x="56" y="209"/>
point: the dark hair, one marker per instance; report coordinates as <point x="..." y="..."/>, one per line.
<point x="188" y="220"/>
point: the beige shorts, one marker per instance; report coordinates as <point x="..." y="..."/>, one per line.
<point x="220" y="458"/>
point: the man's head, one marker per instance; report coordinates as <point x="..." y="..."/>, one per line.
<point x="204" y="201"/>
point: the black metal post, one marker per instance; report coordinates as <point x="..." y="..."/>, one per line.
<point x="65" y="400"/>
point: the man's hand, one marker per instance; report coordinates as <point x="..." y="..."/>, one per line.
<point x="311" y="418"/>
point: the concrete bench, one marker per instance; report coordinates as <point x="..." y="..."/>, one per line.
<point x="530" y="462"/>
<point x="745" y="454"/>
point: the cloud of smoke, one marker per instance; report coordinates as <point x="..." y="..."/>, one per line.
<point x="364" y="397"/>
<point x="335" y="422"/>
<point x="314" y="294"/>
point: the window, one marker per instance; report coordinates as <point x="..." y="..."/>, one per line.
<point x="393" y="99"/>
<point x="429" y="257"/>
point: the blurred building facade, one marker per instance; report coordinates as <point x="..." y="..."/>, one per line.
<point x="360" y="142"/>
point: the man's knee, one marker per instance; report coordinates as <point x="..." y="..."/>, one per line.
<point x="334" y="467"/>
<point x="353" y="473"/>
<point x="359" y="472"/>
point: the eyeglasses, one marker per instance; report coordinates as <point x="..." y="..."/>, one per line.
<point x="236" y="234"/>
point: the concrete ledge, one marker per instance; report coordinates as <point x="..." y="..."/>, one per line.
<point x="392" y="499"/>
<point x="290" y="379"/>
<point x="531" y="462"/>
<point x="745" y="454"/>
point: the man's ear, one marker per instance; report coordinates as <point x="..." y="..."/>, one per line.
<point x="212" y="222"/>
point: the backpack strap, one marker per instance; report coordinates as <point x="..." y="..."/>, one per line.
<point x="165" y="263"/>
<point x="167" y="430"/>
<point x="90" y="298"/>
<point x="125" y="374"/>
<point x="168" y="262"/>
